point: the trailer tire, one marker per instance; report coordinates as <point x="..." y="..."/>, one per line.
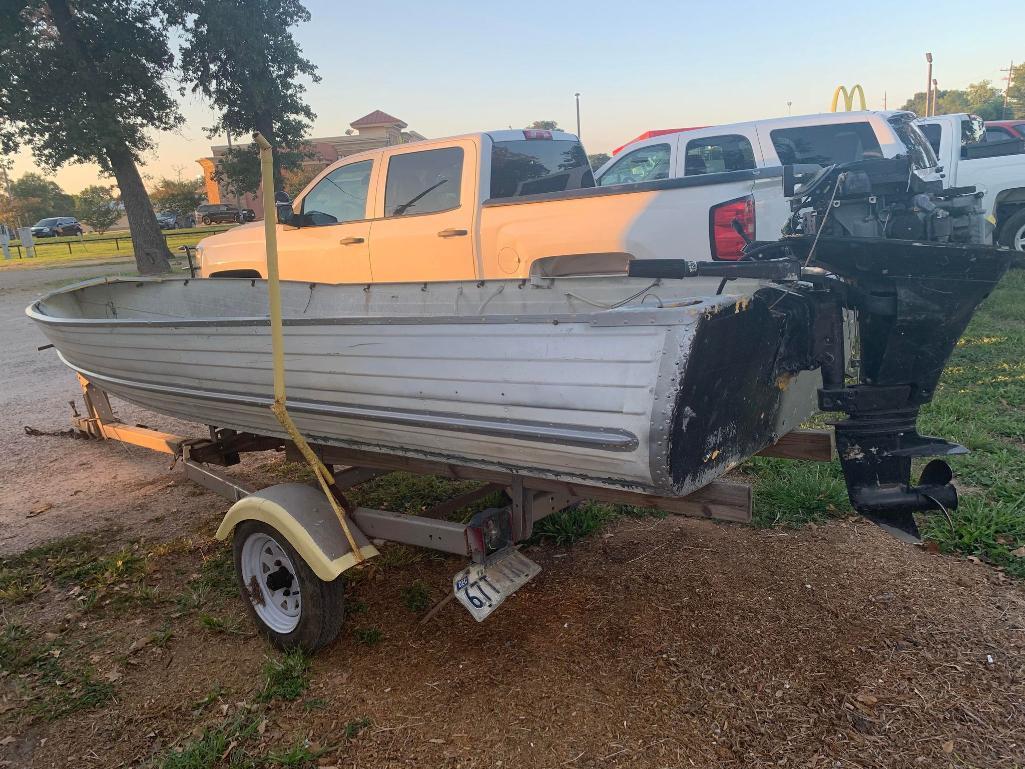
<point x="1012" y="231"/>
<point x="308" y="619"/>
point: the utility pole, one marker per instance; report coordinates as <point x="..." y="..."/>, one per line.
<point x="884" y="100"/>
<point x="238" y="201"/>
<point x="577" y="95"/>
<point x="928" y="84"/>
<point x="1010" y="76"/>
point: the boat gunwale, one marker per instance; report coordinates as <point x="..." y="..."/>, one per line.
<point x="626" y="315"/>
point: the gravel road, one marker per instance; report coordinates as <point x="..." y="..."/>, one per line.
<point x="42" y="478"/>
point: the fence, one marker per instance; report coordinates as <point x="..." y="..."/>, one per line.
<point x="88" y="244"/>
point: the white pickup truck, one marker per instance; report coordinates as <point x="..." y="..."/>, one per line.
<point x="733" y="171"/>
<point x="508" y="204"/>
<point x="997" y="169"/>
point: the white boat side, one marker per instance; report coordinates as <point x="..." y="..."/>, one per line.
<point x="613" y="381"/>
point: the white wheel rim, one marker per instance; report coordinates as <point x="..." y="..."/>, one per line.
<point x="278" y="604"/>
<point x="1018" y="241"/>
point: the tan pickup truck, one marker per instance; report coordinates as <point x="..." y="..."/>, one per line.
<point x="488" y="205"/>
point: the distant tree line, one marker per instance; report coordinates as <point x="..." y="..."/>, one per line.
<point x="982" y="99"/>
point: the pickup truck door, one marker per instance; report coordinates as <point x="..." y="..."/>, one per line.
<point x="332" y="243"/>
<point x="716" y="156"/>
<point x="425" y="223"/>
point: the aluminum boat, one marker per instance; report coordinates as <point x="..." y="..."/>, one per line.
<point x="652" y="385"/>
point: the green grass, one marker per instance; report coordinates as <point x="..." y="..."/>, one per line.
<point x="50" y="251"/>
<point x="353" y="728"/>
<point x="415" y="597"/>
<point x="567" y="526"/>
<point x="368" y="636"/>
<point x="103" y="578"/>
<point x="225" y="740"/>
<point x="980" y="403"/>
<point x="55" y="683"/>
<point x="792" y="493"/>
<point x="286" y="677"/>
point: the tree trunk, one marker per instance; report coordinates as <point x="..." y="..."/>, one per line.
<point x="151" y="253"/>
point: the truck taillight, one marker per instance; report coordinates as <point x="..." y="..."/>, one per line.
<point x="723" y="237"/>
<point x="536" y="133"/>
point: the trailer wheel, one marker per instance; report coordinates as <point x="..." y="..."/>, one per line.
<point x="290" y="604"/>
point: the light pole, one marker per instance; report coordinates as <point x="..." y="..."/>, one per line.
<point x="928" y="84"/>
<point x="577" y="95"/>
<point x="788" y="107"/>
<point x="935" y="96"/>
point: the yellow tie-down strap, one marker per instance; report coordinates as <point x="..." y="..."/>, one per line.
<point x="280" y="409"/>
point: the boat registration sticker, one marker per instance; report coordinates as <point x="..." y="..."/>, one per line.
<point x="482" y="588"/>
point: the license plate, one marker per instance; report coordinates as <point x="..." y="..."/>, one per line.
<point x="482" y="588"/>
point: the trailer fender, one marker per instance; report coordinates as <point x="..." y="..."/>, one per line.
<point x="304" y="517"/>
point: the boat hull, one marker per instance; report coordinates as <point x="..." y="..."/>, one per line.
<point x="550" y="380"/>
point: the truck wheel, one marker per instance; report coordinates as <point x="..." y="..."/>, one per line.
<point x="290" y="604"/>
<point x="1012" y="232"/>
<point x="206" y="220"/>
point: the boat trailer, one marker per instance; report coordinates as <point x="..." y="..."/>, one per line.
<point x="489" y="539"/>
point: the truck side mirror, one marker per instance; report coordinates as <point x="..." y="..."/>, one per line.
<point x="285" y="213"/>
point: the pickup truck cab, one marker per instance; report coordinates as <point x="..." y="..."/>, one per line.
<point x="410" y="212"/>
<point x="996" y="168"/>
<point x="733" y="171"/>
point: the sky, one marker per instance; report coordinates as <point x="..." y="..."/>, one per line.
<point x="447" y="67"/>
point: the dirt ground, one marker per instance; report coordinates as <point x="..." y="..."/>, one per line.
<point x="656" y="643"/>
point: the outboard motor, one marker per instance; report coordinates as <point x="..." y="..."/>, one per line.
<point x="913" y="302"/>
<point x="912" y="261"/>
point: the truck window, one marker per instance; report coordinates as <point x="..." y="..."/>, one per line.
<point x="642" y="165"/>
<point x="919" y="149"/>
<point x="423" y="182"/>
<point x="718" y="154"/>
<point x="341" y="196"/>
<point x="996" y="134"/>
<point x="532" y="166"/>
<point x="932" y="132"/>
<point x="826" y="144"/>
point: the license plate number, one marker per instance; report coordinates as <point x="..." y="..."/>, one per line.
<point x="482" y="588"/>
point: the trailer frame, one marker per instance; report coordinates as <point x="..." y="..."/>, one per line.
<point x="531" y="498"/>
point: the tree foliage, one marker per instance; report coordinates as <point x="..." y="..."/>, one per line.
<point x="83" y="81"/>
<point x="296" y="180"/>
<point x="241" y="56"/>
<point x="34" y="197"/>
<point x="545" y="125"/>
<point x="980" y="98"/>
<point x="97" y="207"/>
<point x="181" y="197"/>
<point x="598" y="159"/>
<point x="1016" y="93"/>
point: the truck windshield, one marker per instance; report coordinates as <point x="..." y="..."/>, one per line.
<point x="531" y="166"/>
<point x="919" y="148"/>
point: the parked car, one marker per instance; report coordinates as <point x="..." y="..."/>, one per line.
<point x="248" y="215"/>
<point x="997" y="169"/>
<point x="732" y="172"/>
<point x="524" y="203"/>
<point x="218" y="213"/>
<point x="168" y="220"/>
<point x="56" y="226"/>
<point x="1003" y="130"/>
